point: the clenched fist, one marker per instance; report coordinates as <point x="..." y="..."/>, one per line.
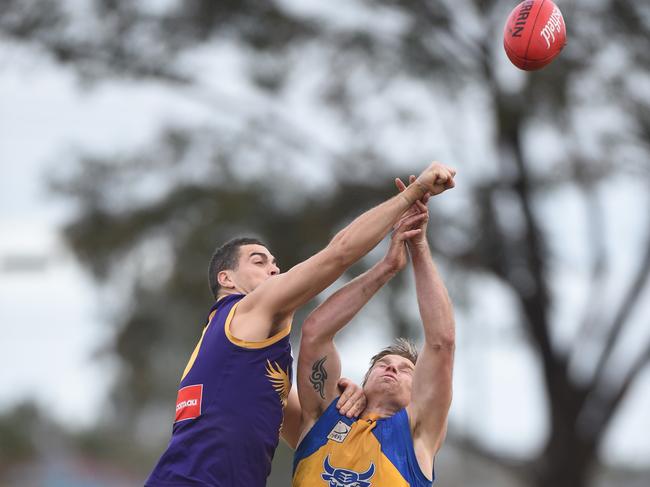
<point x="437" y="178"/>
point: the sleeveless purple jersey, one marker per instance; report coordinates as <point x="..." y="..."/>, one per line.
<point x="229" y="408"/>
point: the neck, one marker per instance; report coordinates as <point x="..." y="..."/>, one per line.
<point x="380" y="407"/>
<point x="227" y="292"/>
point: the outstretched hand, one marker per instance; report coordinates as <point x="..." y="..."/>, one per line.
<point x="418" y="208"/>
<point x="409" y="227"/>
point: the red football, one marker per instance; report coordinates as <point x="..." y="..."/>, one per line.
<point x="534" y="34"/>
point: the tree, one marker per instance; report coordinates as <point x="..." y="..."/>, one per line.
<point x="335" y="90"/>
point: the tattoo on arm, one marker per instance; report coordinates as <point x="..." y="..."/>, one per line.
<point x="318" y="376"/>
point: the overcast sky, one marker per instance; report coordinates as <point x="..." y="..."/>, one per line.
<point x="51" y="315"/>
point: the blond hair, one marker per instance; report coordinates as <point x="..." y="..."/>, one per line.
<point x="402" y="347"/>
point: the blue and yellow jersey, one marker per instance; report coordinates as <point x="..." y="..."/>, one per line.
<point x="229" y="409"/>
<point x="370" y="452"/>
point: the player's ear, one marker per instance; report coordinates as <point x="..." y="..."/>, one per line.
<point x="225" y="279"/>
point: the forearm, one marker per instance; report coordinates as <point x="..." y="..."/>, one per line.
<point x="339" y="309"/>
<point x="279" y="297"/>
<point x="319" y="366"/>
<point x="367" y="230"/>
<point x="435" y="307"/>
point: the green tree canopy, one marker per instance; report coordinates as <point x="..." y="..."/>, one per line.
<point x="322" y="110"/>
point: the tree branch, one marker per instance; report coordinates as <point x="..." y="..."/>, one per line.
<point x="601" y="405"/>
<point x="536" y="304"/>
<point x="518" y="468"/>
<point x="598" y="265"/>
<point x="629" y="302"/>
<point x="642" y="361"/>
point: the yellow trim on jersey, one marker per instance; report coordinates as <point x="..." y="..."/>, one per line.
<point x="247" y="344"/>
<point x="190" y="362"/>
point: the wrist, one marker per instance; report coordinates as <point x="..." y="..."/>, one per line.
<point x="386" y="270"/>
<point x="413" y="192"/>
<point x="419" y="249"/>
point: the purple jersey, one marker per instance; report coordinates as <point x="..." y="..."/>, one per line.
<point x="229" y="408"/>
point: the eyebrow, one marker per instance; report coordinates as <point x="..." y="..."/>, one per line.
<point x="263" y="256"/>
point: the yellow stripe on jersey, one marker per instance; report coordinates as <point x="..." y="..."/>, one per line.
<point x="192" y="359"/>
<point x="248" y="344"/>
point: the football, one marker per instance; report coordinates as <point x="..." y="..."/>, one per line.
<point x="534" y="34"/>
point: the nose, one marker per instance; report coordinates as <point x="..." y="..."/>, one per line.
<point x="274" y="269"/>
<point x="392" y="368"/>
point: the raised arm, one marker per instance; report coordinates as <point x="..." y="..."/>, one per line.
<point x="432" y="380"/>
<point x="272" y="304"/>
<point x="319" y="366"/>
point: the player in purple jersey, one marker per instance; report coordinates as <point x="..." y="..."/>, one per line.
<point x="234" y="397"/>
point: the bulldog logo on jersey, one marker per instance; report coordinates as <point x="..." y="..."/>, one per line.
<point x="341" y="477"/>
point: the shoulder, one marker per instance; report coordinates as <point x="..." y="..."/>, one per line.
<point x="324" y="427"/>
<point x="224" y="304"/>
<point x="399" y="425"/>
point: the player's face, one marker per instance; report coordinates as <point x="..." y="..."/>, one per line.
<point x="256" y="265"/>
<point x="391" y="375"/>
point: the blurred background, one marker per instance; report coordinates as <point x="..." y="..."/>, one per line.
<point x="135" y="137"/>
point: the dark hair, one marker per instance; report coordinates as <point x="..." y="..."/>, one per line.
<point x="226" y="257"/>
<point x="402" y="347"/>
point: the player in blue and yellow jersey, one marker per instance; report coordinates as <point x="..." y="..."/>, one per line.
<point x="234" y="397"/>
<point x="395" y="439"/>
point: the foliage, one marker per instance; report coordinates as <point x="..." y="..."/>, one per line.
<point x="359" y="95"/>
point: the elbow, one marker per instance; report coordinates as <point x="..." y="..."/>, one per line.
<point x="311" y="332"/>
<point x="449" y="341"/>
<point x="448" y="336"/>
<point x="444" y="343"/>
<point x="444" y="340"/>
<point x="309" y="329"/>
<point x="443" y="336"/>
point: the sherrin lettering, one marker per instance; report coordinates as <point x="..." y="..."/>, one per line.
<point x="534" y="34"/>
<point x="553" y="26"/>
<point x="524" y="13"/>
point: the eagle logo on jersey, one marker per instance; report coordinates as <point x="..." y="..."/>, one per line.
<point x="340" y="477"/>
<point x="279" y="379"/>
